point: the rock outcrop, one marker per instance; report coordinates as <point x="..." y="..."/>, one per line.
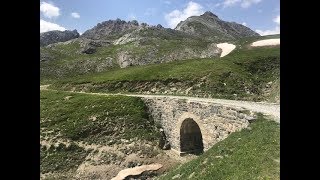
<point x="111" y="29"/>
<point x="51" y="37"/>
<point x="209" y="26"/>
<point x="130" y="43"/>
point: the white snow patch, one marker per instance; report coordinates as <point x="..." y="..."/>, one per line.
<point x="266" y="42"/>
<point x="136" y="171"/>
<point x="226" y="48"/>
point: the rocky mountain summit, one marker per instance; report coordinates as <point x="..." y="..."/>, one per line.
<point x="119" y="44"/>
<point x="110" y="29"/>
<point x="208" y="25"/>
<point x="51" y="37"/>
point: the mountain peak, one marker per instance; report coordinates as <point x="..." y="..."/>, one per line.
<point x="209" y="26"/>
<point x="110" y="28"/>
<point x="209" y="14"/>
<point x="55" y="36"/>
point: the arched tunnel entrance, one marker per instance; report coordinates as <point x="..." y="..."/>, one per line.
<point x="190" y="137"/>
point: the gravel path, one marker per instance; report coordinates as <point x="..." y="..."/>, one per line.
<point x="269" y="109"/>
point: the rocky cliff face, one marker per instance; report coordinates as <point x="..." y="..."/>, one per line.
<point x="118" y="43"/>
<point x="110" y="29"/>
<point x="209" y="26"/>
<point x="51" y="37"/>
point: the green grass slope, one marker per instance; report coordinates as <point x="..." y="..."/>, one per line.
<point x="243" y="74"/>
<point x="249" y="154"/>
<point x="91" y="120"/>
<point x="152" y="46"/>
<point x="71" y="118"/>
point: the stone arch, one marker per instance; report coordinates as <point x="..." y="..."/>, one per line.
<point x="196" y="119"/>
<point x="190" y="137"/>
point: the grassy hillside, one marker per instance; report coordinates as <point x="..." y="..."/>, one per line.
<point x="146" y="46"/>
<point x="252" y="153"/>
<point x="157" y="46"/>
<point x="243" y="74"/>
<point x="92" y="118"/>
<point x="73" y="126"/>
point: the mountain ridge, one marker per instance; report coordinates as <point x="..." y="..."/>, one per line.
<point x="120" y="44"/>
<point x="208" y="25"/>
<point x="56" y="36"/>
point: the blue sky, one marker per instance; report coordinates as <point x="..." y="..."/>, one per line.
<point x="262" y="16"/>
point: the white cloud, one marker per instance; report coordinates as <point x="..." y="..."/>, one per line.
<point x="276" y="30"/>
<point x="248" y="3"/>
<point x="244" y="23"/>
<point x="48" y="26"/>
<point x="175" y="16"/>
<point x="243" y="3"/>
<point x="217" y="5"/>
<point x="228" y="3"/>
<point x="277" y="19"/>
<point x="75" y="15"/>
<point x="49" y="10"/>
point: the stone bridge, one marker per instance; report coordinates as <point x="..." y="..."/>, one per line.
<point x="193" y="126"/>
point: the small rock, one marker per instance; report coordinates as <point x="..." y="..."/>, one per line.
<point x="159" y="26"/>
<point x="191" y="175"/>
<point x="88" y="50"/>
<point x="67" y="97"/>
<point x="205" y="161"/>
<point x="93" y="118"/>
<point x="176" y="176"/>
<point x="166" y="146"/>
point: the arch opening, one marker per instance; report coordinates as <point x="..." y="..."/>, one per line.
<point x="190" y="137"/>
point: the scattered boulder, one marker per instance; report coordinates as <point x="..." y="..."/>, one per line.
<point x="88" y="50"/>
<point x="159" y="26"/>
<point x="163" y="142"/>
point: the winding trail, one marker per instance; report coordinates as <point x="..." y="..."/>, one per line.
<point x="269" y="109"/>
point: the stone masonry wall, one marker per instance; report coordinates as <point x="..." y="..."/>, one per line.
<point x="216" y="121"/>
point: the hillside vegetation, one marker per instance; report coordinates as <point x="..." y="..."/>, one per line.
<point x="78" y="129"/>
<point x="86" y="136"/>
<point x="116" y="44"/>
<point x="253" y="153"/>
<point x="246" y="73"/>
